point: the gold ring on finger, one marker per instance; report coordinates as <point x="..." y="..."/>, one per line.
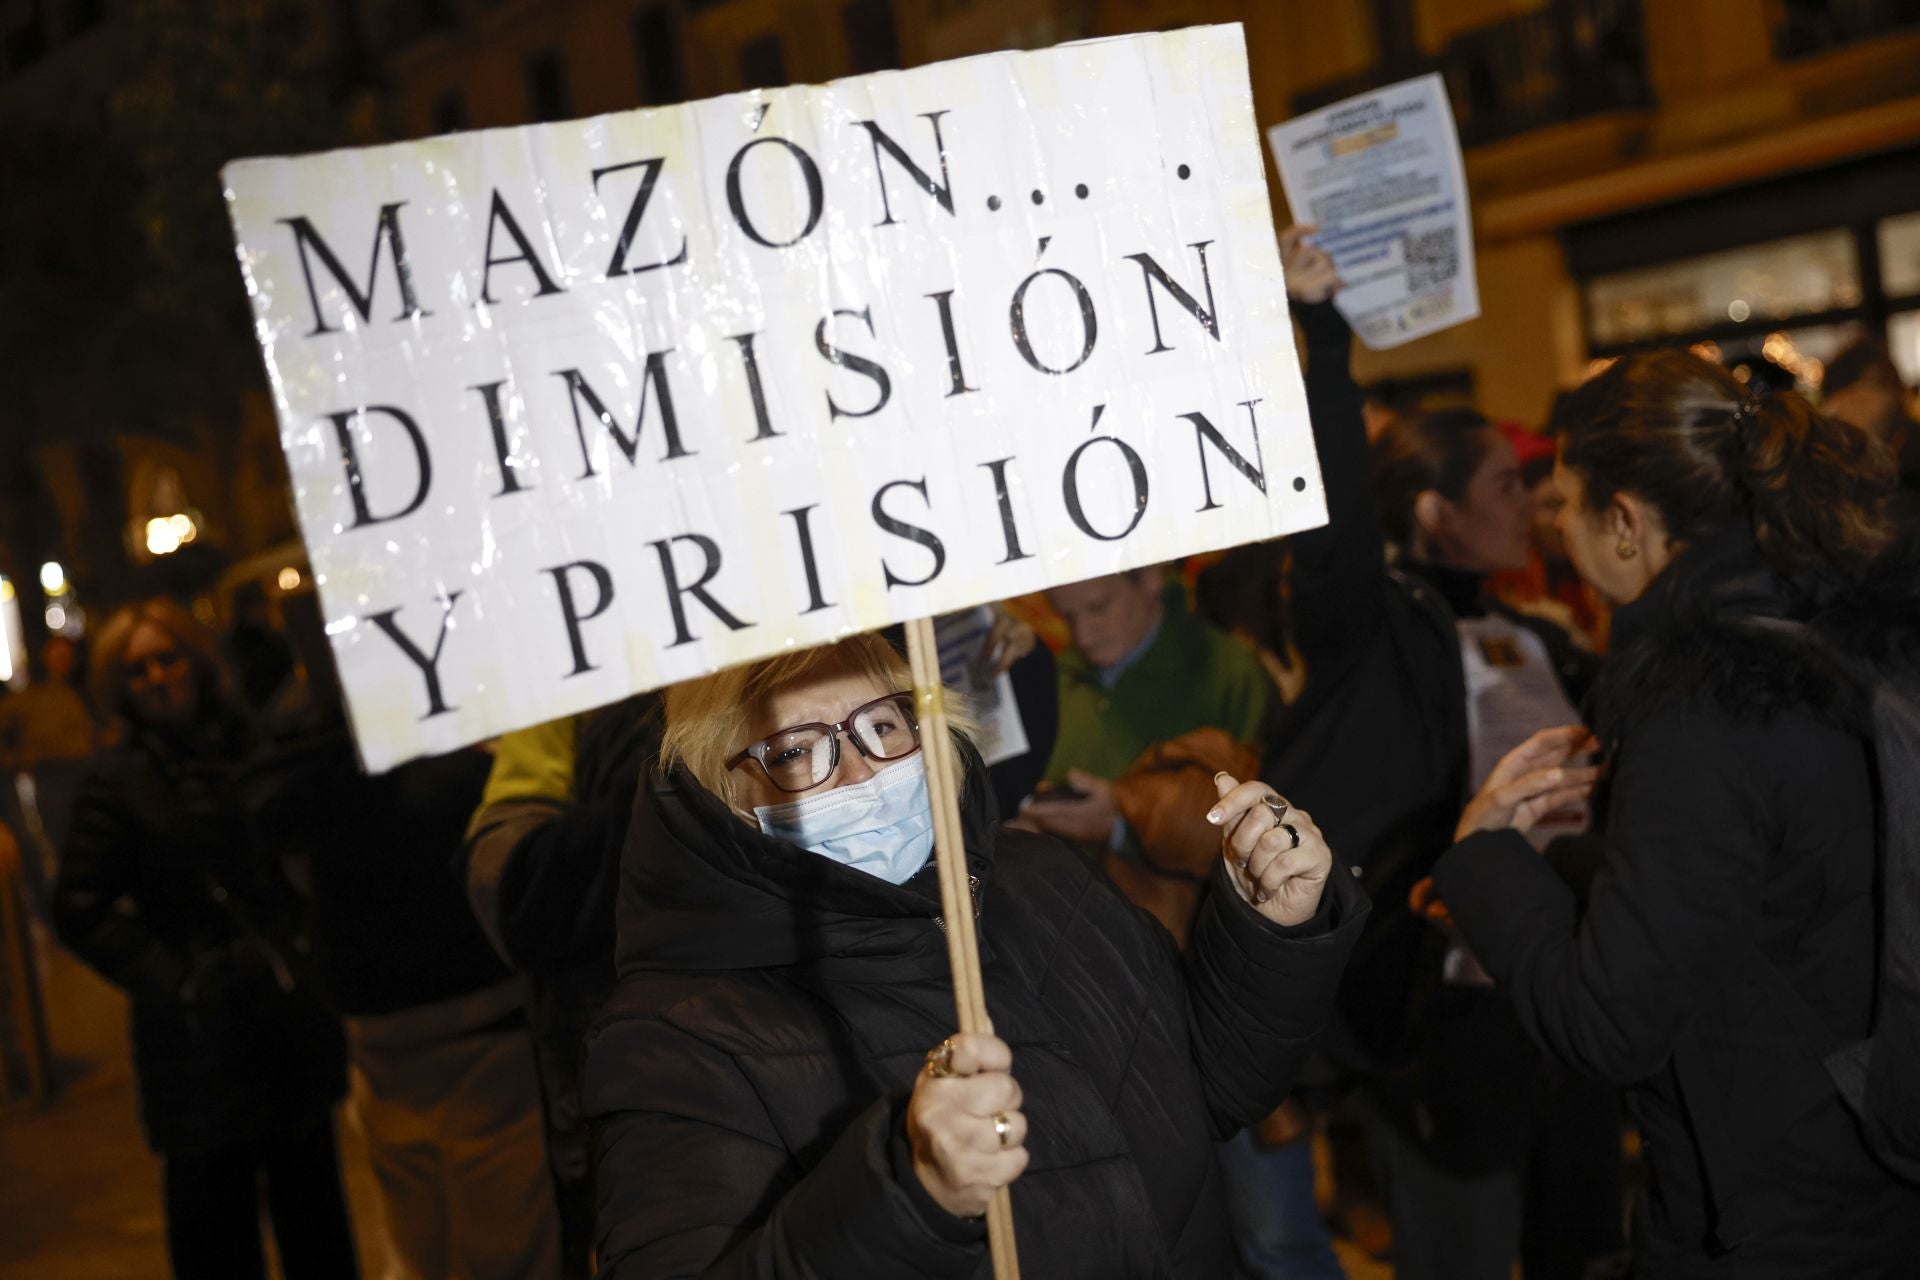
<point x="1002" y="1128"/>
<point x="940" y="1059"/>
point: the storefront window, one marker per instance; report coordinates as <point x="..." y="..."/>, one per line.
<point x="1900" y="255"/>
<point x="1803" y="352"/>
<point x="1802" y="275"/>
<point x="1903" y="341"/>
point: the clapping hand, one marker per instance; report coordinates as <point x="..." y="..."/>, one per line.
<point x="1532" y="781"/>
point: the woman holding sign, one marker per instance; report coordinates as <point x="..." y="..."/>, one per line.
<point x="774" y="1085"/>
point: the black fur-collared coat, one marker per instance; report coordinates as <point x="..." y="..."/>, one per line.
<point x="1730" y="939"/>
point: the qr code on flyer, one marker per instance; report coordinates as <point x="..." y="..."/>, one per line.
<point x="1433" y="258"/>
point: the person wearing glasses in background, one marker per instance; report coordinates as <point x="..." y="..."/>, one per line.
<point x="166" y="890"/>
<point x="775" y="1086"/>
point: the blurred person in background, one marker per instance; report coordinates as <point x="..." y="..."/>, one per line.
<point x="1142" y="669"/>
<point x="167" y="891"/>
<point x="49" y="719"/>
<point x="47" y="734"/>
<point x="262" y="657"/>
<point x="444" y="1085"/>
<point x="1012" y="649"/>
<point x="1244" y="593"/>
<point x="1729" y="943"/>
<point x="1548" y="586"/>
<point x="1418" y="682"/>
<point x="540" y="866"/>
<point x="764" y="1097"/>
<point x="1863" y="387"/>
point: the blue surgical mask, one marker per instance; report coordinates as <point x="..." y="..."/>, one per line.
<point x="883" y="826"/>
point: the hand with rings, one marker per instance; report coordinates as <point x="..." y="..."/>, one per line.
<point x="965" y="1125"/>
<point x="1276" y="857"/>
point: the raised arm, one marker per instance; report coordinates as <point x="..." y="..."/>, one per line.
<point x="695" y="1181"/>
<point x="1339" y="569"/>
<point x="539" y="862"/>
<point x="1268" y="945"/>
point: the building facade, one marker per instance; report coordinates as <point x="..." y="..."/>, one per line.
<point x="1741" y="173"/>
<point x="1744" y="173"/>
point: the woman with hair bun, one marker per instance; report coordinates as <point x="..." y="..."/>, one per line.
<point x="1730" y="939"/>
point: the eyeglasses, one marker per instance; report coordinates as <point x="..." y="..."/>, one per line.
<point x="802" y="756"/>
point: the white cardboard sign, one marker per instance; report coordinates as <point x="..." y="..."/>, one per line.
<point x="581" y="409"/>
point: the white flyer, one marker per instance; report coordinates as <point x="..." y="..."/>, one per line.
<point x="1380" y="176"/>
<point x="965" y="667"/>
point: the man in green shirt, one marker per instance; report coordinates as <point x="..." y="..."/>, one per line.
<point x="1142" y="669"/>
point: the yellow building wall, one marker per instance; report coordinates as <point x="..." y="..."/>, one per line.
<point x="1714" y="80"/>
<point x="1526" y="345"/>
<point x="1436" y="22"/>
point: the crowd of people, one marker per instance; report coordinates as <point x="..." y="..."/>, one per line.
<point x="1528" y="836"/>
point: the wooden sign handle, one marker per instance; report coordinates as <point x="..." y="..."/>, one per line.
<point x="956" y="901"/>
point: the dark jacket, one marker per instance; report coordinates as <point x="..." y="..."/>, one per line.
<point x="1730" y="939"/>
<point x="392" y="926"/>
<point x="166" y="890"/>
<point x="541" y="865"/>
<point x="1376" y="748"/>
<point x="750" y="1079"/>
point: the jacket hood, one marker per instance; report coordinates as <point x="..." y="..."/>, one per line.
<point x="702" y="890"/>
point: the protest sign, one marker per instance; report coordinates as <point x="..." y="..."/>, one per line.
<point x="1381" y="178"/>
<point x="581" y="409"/>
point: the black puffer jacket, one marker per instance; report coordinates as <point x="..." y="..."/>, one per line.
<point x="1730" y="939"/>
<point x="749" y="1081"/>
<point x="166" y="890"/>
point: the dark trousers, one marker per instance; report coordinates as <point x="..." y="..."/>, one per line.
<point x="213" y="1210"/>
<point x="1558" y="1210"/>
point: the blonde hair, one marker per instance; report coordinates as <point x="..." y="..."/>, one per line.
<point x="708" y="717"/>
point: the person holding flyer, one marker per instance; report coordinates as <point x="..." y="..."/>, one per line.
<point x="770" y="1086"/>
<point x="1417" y="683"/>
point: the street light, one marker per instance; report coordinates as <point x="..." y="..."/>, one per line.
<point x="10" y="644"/>
<point x="167" y="534"/>
<point x="53" y="579"/>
